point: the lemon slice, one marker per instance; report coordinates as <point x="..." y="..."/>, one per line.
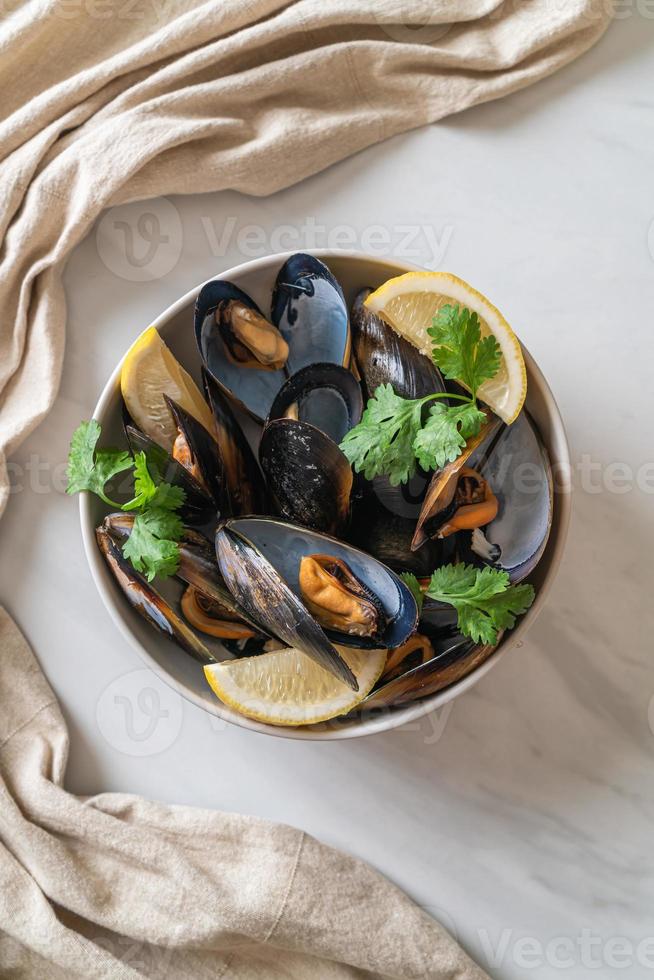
<point x="286" y="687"/>
<point x="409" y="303"/>
<point x="150" y="371"/>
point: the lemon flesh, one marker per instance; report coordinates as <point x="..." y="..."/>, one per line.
<point x="286" y="687"/>
<point x="150" y="371"/>
<point x="409" y="303"/>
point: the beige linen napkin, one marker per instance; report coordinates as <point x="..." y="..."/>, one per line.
<point x="114" y="100"/>
<point x="115" y="886"/>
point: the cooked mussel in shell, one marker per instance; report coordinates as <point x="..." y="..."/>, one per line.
<point x="284" y="545"/>
<point x="213" y="618"/>
<point x="250" y="340"/>
<point x="149" y="603"/>
<point x="309" y="478"/>
<point x="197" y="567"/>
<point x="244" y="482"/>
<point x="198" y="452"/>
<point x="453" y="660"/>
<point x="467" y="503"/>
<point x="257" y="586"/>
<point x="198" y="507"/>
<point x="243" y="352"/>
<point x="443" y="485"/>
<point x="337" y="598"/>
<point x="383" y="357"/>
<point x="326" y="396"/>
<point x="310" y="311"/>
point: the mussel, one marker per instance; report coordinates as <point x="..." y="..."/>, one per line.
<point x="244" y="482"/>
<point x="383" y="357"/>
<point x="243" y="352"/>
<point x="281" y="546"/>
<point x="326" y="396"/>
<point x="510" y="527"/>
<point x="213" y="618"/>
<point x="309" y="478"/>
<point x="338" y="599"/>
<point x="309" y="309"/>
<point x="443" y="485"/>
<point x="148" y="602"/>
<point x="263" y="593"/>
<point x="452" y="660"/>
<point x="198" y="452"/>
<point x="198" y="507"/>
<point x="197" y="568"/>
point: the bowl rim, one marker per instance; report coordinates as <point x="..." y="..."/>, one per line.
<point x="401" y="715"/>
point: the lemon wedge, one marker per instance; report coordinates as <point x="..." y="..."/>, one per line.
<point x="150" y="371"/>
<point x="286" y="687"/>
<point x="409" y="303"/>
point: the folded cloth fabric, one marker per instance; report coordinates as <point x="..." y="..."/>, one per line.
<point x="114" y="886"/>
<point x="111" y="102"/>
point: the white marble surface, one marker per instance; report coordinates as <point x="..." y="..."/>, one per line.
<point x="522" y="817"/>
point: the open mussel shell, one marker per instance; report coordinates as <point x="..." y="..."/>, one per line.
<point x="262" y="592"/>
<point x="453" y="660"/>
<point x="383" y="357"/>
<point x="309" y="308"/>
<point x="518" y="470"/>
<point x="327" y="396"/>
<point x="198" y="507"/>
<point x="148" y="602"/>
<point x="309" y="478"/>
<point x="283" y="545"/>
<point x="245" y="484"/>
<point x="432" y="513"/>
<point x="197" y="564"/>
<point x="199" y="453"/>
<point x="252" y="386"/>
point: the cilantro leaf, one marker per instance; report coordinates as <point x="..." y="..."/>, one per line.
<point x="414" y="587"/>
<point x="445" y="432"/>
<point x="147" y="493"/>
<point x="90" y="468"/>
<point x="383" y="440"/>
<point x="152" y="544"/>
<point x="484" y="599"/>
<point x="460" y="351"/>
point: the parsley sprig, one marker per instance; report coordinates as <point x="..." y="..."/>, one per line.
<point x="392" y="438"/>
<point x="152" y="545"/>
<point x="484" y="598"/>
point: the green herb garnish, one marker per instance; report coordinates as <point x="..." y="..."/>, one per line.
<point x="414" y="587"/>
<point x="391" y="438"/>
<point x="484" y="599"/>
<point x="152" y="545"/>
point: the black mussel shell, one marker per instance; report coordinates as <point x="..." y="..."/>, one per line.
<point x="383" y="357"/>
<point x="519" y="473"/>
<point x="197" y="563"/>
<point x="198" y="507"/>
<point x="251" y="388"/>
<point x="148" y="602"/>
<point x="309" y="478"/>
<point x="327" y="396"/>
<point x="205" y="457"/>
<point x="454" y="659"/>
<point x="310" y="311"/>
<point x="262" y="592"/>
<point x="432" y="507"/>
<point x="283" y="544"/>
<point x="245" y="484"/>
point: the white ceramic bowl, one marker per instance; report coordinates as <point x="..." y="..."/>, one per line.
<point x="353" y="270"/>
